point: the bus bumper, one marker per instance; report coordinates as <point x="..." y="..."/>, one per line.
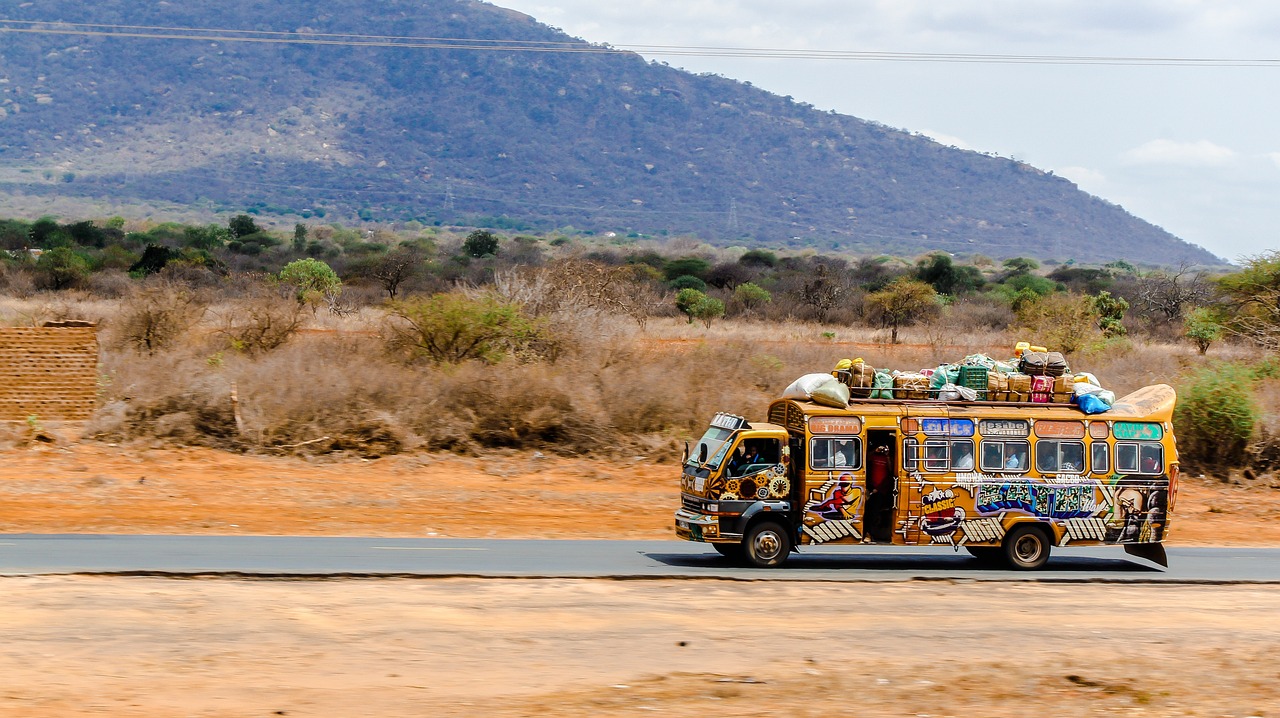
<point x="692" y="526"/>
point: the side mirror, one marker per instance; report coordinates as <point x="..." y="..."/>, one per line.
<point x="684" y="458"/>
<point x="702" y="453"/>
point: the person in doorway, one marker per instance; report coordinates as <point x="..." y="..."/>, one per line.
<point x="879" y="493"/>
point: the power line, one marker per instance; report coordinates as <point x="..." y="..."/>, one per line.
<point x="582" y="47"/>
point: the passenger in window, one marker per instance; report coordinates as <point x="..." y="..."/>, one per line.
<point x="1150" y="464"/>
<point x="1014" y="462"/>
<point x="962" y="456"/>
<point x="844" y="452"/>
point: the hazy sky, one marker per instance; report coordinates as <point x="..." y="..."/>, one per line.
<point x="1195" y="150"/>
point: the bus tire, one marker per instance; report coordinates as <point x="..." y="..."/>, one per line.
<point x="766" y="545"/>
<point x="1026" y="547"/>
<point x="731" y="551"/>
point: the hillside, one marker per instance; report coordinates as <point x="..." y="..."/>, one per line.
<point x="592" y="140"/>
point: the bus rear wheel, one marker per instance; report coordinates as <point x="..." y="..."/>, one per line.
<point x="731" y="551"/>
<point x="766" y="545"/>
<point x="1026" y="548"/>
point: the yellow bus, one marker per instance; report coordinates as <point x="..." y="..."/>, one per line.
<point x="1004" y="481"/>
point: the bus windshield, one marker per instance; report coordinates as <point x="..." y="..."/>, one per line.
<point x="717" y="442"/>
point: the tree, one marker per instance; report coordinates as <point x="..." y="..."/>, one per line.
<point x="1203" y="328"/>
<point x="1253" y="295"/>
<point x="313" y="281"/>
<point x="751" y="296"/>
<point x="1020" y="265"/>
<point x="759" y="258"/>
<point x="822" y="292"/>
<point x="242" y="225"/>
<point x="939" y="271"/>
<point x="687" y="299"/>
<point x="1110" y="311"/>
<point x="480" y="243"/>
<point x="299" y="237"/>
<point x="690" y="266"/>
<point x="61" y="267"/>
<point x="903" y="303"/>
<point x="397" y="267"/>
<point x="1167" y="296"/>
<point x="1061" y="322"/>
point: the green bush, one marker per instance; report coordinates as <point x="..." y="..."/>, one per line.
<point x="453" y="328"/>
<point x="1216" y="415"/>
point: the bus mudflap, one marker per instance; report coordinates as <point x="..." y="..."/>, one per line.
<point x="1153" y="552"/>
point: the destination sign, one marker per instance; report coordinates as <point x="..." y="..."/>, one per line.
<point x="1016" y="428"/>
<point x="947" y="427"/>
<point x="1138" y="430"/>
<point x="1060" y="429"/>
<point x="835" y="425"/>
<point x="728" y="421"/>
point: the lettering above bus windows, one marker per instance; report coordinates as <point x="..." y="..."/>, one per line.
<point x="835" y="425"/>
<point x="947" y="427"/>
<point x="1013" y="428"/>
<point x="729" y="422"/>
<point x="1060" y="429"/>
<point x="1138" y="430"/>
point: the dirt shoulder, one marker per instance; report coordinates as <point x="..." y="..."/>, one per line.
<point x="91" y="487"/>
<point x="153" y="647"/>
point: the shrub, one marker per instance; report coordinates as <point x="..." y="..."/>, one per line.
<point x="263" y="322"/>
<point x="688" y="281"/>
<point x="157" y="315"/>
<point x="453" y="328"/>
<point x="903" y="303"/>
<point x="1203" y="328"/>
<point x="314" y="281"/>
<point x="1062" y="322"/>
<point x="480" y="243"/>
<point x="61" y="268"/>
<point x="751" y="296"/>
<point x="1216" y="415"/>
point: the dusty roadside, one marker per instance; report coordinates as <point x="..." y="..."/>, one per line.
<point x="152" y="647"/>
<point x="96" y="488"/>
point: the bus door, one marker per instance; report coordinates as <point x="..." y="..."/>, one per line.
<point x="882" y="484"/>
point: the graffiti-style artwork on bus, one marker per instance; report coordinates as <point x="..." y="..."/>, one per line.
<point x="834" y="510"/>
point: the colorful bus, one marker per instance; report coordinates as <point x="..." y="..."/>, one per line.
<point x="1004" y="481"/>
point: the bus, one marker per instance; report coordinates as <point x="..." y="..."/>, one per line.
<point x="1006" y="482"/>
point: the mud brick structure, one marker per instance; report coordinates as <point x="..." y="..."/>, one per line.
<point x="49" y="372"/>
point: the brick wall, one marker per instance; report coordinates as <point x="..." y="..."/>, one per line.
<point x="48" y="372"/>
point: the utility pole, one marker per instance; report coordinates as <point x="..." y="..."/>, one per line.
<point x="733" y="215"/>
<point x="448" y="194"/>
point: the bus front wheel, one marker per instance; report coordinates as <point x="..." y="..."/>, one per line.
<point x="1026" y="548"/>
<point x="766" y="545"/>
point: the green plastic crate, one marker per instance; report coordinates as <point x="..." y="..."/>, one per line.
<point x="974" y="377"/>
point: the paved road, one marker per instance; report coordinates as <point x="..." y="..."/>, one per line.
<point x="318" y="557"/>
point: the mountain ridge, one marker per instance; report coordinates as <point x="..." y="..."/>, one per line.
<point x="593" y="140"/>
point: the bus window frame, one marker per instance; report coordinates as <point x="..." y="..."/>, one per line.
<point x="982" y="454"/>
<point x="1106" y="458"/>
<point x="1058" y="468"/>
<point x="1138" y="445"/>
<point x="913" y="462"/>
<point x="857" y="452"/>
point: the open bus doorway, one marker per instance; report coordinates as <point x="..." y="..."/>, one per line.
<point x="882" y="486"/>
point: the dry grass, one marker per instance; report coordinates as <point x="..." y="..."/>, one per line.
<point x="618" y="389"/>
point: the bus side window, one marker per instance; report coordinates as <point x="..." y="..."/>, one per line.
<point x="1007" y="456"/>
<point x="1059" y="456"/>
<point x="1151" y="458"/>
<point x="1100" y="457"/>
<point x="1127" y="458"/>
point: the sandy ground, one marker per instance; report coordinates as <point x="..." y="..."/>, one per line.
<point x="154" y="647"/>
<point x="78" y="646"/>
<point x="95" y="488"/>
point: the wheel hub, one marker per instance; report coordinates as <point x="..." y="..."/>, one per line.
<point x="767" y="545"/>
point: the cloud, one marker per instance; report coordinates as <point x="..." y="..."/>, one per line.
<point x="1179" y="154"/>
